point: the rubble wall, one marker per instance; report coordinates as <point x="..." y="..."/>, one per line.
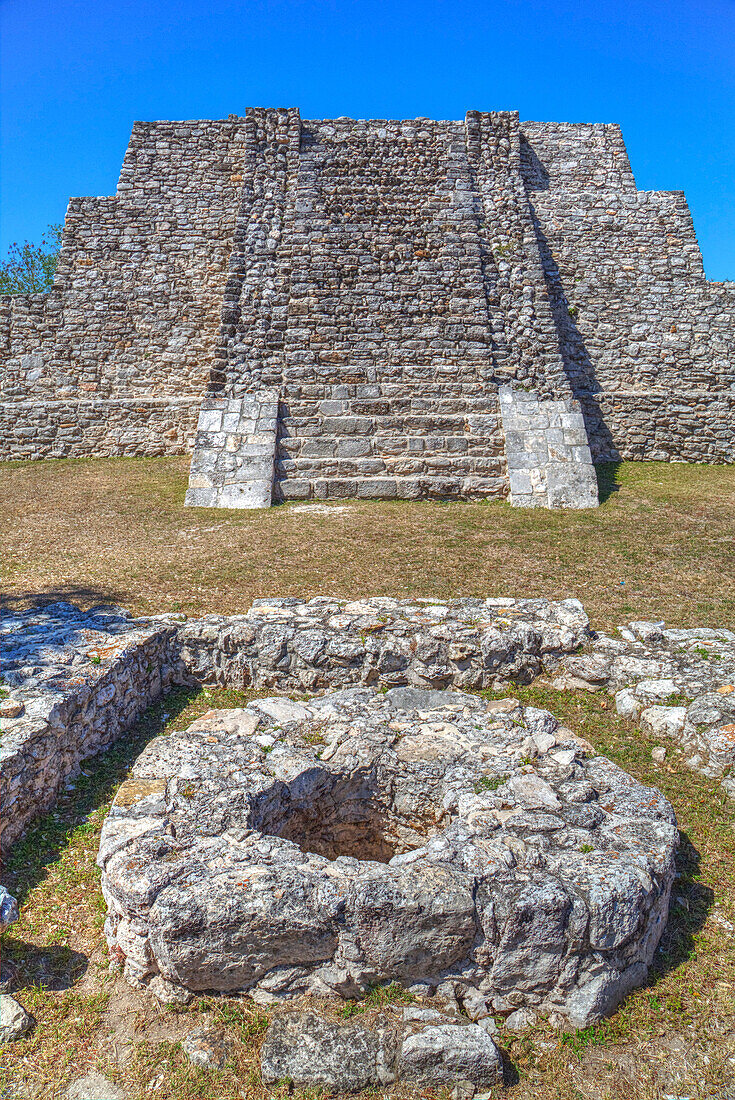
<point x="648" y="342"/>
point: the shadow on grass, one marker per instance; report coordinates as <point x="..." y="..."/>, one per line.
<point x="84" y="596"/>
<point x="607" y="479"/>
<point x="687" y="914"/>
<point x="55" y="967"/>
<point x="74" y="811"/>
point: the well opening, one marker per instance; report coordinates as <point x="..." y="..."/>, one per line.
<point x="338" y="815"/>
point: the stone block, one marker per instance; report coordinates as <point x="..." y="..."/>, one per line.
<point x="201" y="497"/>
<point x="575" y="436"/>
<point x="520" y="482"/>
<point x="245" y="494"/>
<point x="353" y="448"/>
<point x="294" y="489"/>
<point x="380" y="488"/>
<point x="210" y="420"/>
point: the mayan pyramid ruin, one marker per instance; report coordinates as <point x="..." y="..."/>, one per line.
<point x="390" y="309"/>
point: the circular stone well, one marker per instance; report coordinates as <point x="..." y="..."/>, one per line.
<point x="416" y="836"/>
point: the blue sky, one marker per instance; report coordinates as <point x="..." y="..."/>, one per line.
<point x="75" y="75"/>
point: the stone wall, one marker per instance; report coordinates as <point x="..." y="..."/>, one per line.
<point x="647" y="340"/>
<point x="108" y="427"/>
<point x="135" y="308"/>
<point x="386" y="277"/>
<point x="80" y="680"/>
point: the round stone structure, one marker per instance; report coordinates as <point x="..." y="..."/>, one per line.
<point x="418" y="836"/>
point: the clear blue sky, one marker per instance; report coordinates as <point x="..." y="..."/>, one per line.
<point x="76" y="74"/>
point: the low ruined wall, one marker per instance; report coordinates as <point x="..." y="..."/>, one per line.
<point x="290" y="645"/>
<point x="80" y="680"/>
<point x="99" y="672"/>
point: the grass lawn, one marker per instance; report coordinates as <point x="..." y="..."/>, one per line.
<point x="662" y="544"/>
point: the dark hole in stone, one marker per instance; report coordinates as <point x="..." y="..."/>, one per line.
<point x="335" y="816"/>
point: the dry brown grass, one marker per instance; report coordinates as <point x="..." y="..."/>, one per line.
<point x="660" y="546"/>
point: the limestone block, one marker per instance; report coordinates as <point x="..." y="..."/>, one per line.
<point x="234" y="467"/>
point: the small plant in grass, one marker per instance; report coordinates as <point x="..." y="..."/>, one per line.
<point x="379" y="995"/>
<point x="579" y="1041"/>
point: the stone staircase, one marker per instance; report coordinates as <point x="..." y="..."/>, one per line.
<point x="367" y="441"/>
<point x="386" y="282"/>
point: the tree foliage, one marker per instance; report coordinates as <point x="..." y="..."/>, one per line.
<point x="29" y="268"/>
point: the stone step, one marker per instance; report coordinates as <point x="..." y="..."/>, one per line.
<point x="319" y="446"/>
<point x="375" y="465"/>
<point x="444" y="487"/>
<point x="445" y="405"/>
<point x="430" y="423"/>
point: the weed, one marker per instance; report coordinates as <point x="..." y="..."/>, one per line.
<point x="379" y="995"/>
<point x="489" y="783"/>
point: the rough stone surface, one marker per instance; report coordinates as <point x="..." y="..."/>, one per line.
<point x="647" y="341"/>
<point x="419" y="1047"/>
<point x="679" y="684"/>
<point x="234" y="452"/>
<point x="84" y="678"/>
<point x="438" y="1054"/>
<point x="207" y="1047"/>
<point x="314" y="1052"/>
<point x="8" y="909"/>
<point x="386" y="277"/>
<point x="320" y="847"/>
<point x="14" y="1020"/>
